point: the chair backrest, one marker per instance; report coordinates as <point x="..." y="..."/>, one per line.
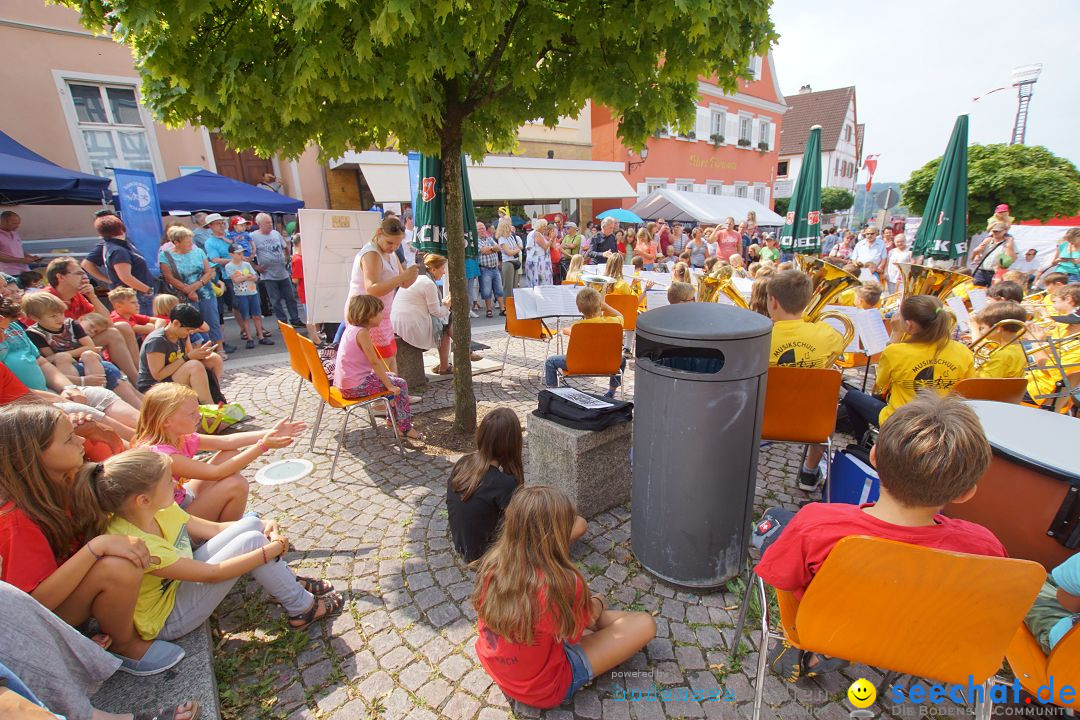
<point x="800" y="404"/>
<point x="1008" y="390"/>
<point x="296" y="356"/>
<point x="855" y="360"/>
<point x="318" y="373"/>
<point x="529" y="329"/>
<point x="594" y="349"/>
<point x="627" y="305"/>
<point x="915" y="610"/>
<point x="1064" y="662"/>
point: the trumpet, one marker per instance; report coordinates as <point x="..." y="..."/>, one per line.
<point x="983" y="348"/>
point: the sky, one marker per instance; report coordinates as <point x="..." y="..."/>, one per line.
<point x="917" y="64"/>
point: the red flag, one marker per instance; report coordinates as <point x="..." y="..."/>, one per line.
<point x="870" y="165"/>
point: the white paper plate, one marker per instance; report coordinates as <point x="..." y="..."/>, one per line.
<point x="283" y="471"/>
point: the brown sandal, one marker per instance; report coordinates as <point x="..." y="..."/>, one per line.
<point x="165" y="713"/>
<point x="315" y="586"/>
<point x="448" y="371"/>
<point x="332" y="604"/>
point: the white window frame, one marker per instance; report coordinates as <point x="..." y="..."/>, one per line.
<point x="847" y="133"/>
<point x="718" y="116"/>
<point x="760" y="193"/>
<point x="61" y="78"/>
<point x="684" y="184"/>
<point x="746" y="118"/>
<point x="654" y="183"/>
<point x="742" y="190"/>
<point x="714" y="187"/>
<point x="765" y="127"/>
<point x="755" y="67"/>
<point x="787" y="168"/>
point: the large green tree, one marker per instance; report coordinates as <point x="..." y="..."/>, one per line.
<point x="1031" y="180"/>
<point x="835" y="200"/>
<point x="438" y="76"/>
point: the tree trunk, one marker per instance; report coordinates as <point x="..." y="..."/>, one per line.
<point x="461" y="328"/>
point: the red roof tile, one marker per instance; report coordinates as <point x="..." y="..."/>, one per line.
<point x="827" y="108"/>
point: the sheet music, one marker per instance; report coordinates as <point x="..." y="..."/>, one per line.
<point x="838" y="326"/>
<point x="546" y="301"/>
<point x="655" y="299"/>
<point x="657" y="278"/>
<point x="871" y="331"/>
<point x="977" y="297"/>
<point x="745" y="286"/>
<point x="959" y="309"/>
<point x="580" y="399"/>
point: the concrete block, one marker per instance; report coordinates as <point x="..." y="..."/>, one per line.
<point x="592" y="467"/>
<point x="410" y="365"/>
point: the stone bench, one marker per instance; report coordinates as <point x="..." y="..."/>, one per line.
<point x="192" y="679"/>
<point x="591" y="466"/>
<point x="410" y="365"/>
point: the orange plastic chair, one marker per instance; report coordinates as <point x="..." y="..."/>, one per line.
<point x="906" y="609"/>
<point x="523" y="330"/>
<point x="816" y="392"/>
<point x="594" y="350"/>
<point x="1007" y="390"/>
<point x="853" y="360"/>
<point x="628" y="306"/>
<point x="296" y="361"/>
<point x="1034" y="668"/>
<point x="332" y="396"/>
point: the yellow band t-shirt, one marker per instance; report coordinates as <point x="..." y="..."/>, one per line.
<point x="797" y="343"/>
<point x="156" y="594"/>
<point x="1043" y="382"/>
<point x="601" y="319"/>
<point x="1008" y="362"/>
<point x="621" y="287"/>
<point x="908" y="367"/>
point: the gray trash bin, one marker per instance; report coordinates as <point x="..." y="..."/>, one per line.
<point x="699" y="395"/>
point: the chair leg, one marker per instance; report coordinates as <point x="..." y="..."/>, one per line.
<point x="393" y="424"/>
<point x="506" y="353"/>
<point x="984" y="706"/>
<point x="763" y="650"/>
<point x="828" y="470"/>
<point x="737" y="638"/>
<point x="315" y="428"/>
<point x="371" y="419"/>
<point x="296" y="400"/>
<point x="341" y="440"/>
<point x="524" y="354"/>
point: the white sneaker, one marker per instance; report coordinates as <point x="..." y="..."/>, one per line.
<point x="414" y="399"/>
<point x="474" y="314"/>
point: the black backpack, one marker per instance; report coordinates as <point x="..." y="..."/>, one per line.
<point x="551" y="406"/>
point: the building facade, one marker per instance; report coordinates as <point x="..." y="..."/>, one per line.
<point x="841" y="138"/>
<point x="74" y="98"/>
<point x="732" y="149"/>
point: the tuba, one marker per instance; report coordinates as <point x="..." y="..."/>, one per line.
<point x="600" y="283"/>
<point x="712" y="286"/>
<point x="925" y="280"/>
<point x="984" y="349"/>
<point x="829" y="282"/>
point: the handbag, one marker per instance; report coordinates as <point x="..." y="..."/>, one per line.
<point x="164" y="288"/>
<point x="216" y="418"/>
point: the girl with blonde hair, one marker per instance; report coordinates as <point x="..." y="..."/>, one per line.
<point x="542" y="636"/>
<point x="573" y="273"/>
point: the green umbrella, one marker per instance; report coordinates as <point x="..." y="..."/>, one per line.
<point x="942" y="235"/>
<point x="429" y="213"/>
<point x="802" y="227"/>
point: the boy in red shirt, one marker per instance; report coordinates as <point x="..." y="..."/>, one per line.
<point x="930" y="452"/>
<point x="125" y="303"/>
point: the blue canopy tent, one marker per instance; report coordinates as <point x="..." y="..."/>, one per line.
<point x="27" y="178"/>
<point x="204" y="191"/>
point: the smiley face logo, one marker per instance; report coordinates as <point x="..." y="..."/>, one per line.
<point x="862" y="693"/>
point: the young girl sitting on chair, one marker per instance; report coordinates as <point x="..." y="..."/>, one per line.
<point x="542" y="636"/>
<point x="360" y="371"/>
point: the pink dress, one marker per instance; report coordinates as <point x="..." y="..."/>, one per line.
<point x="189" y="445"/>
<point x="384" y="333"/>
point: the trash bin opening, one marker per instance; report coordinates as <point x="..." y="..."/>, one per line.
<point x="695" y="360"/>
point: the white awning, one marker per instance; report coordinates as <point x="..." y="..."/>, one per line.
<point x="499" y="178"/>
<point x="704" y="208"/>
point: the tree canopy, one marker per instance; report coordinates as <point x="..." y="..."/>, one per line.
<point x="1031" y="180"/>
<point x="835" y="199"/>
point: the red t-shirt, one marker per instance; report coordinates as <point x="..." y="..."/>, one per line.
<point x="25" y="556"/>
<point x="135" y="319"/>
<point x="11" y="388"/>
<point x="728" y="243"/>
<point x="76" y="306"/>
<point x="298" y="276"/>
<point x="538" y="674"/>
<point x="791" y="562"/>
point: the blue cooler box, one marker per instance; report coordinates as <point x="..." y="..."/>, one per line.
<point x="852" y="481"/>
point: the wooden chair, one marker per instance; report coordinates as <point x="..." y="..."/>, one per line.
<point x="1034" y="668"/>
<point x="296" y="360"/>
<point x="594" y="350"/>
<point x="1007" y="390"/>
<point x="523" y="330"/>
<point x="800" y="407"/>
<point x="905" y="609"/>
<point x="332" y="396"/>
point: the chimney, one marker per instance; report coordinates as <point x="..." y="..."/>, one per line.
<point x="805" y="89"/>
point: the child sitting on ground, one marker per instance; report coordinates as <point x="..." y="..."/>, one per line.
<point x="680" y="292"/>
<point x="93" y="323"/>
<point x="213" y="489"/>
<point x="541" y="635"/>
<point x="163" y="305"/>
<point x="594" y="310"/>
<point x="182" y="587"/>
<point x="931" y="452"/>
<point x="360" y="371"/>
<point x="31" y="280"/>
<point x="1057" y="606"/>
<point x="125" y="304"/>
<point x="483" y="482"/>
<point x="1009" y="360"/>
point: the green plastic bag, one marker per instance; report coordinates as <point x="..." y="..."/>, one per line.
<point x="216" y="418"/>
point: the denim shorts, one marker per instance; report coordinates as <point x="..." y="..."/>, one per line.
<point x="247" y="305"/>
<point x="580" y="669"/>
<point x="113" y="376"/>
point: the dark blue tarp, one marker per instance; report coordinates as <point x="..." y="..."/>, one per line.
<point x="204" y="191"/>
<point x="27" y="178"/>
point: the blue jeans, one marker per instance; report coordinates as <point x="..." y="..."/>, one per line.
<point x="146" y="303"/>
<point x="581" y="671"/>
<point x="863" y="411"/>
<point x="113" y="376"/>
<point x="490" y="279"/>
<point x="282" y="298"/>
<point x="209" y="309"/>
<point x="554" y="363"/>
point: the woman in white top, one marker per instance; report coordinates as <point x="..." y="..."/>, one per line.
<point x="899" y="254"/>
<point x="420" y="317"/>
<point x="510" y="245"/>
<point x="377" y="271"/>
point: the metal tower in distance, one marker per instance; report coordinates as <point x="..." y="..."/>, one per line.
<point x="1023" y="79"/>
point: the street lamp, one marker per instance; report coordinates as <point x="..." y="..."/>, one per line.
<point x="630" y="164"/>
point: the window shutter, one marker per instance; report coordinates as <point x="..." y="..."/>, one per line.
<point x="701" y="127"/>
<point x="772" y="136"/>
<point x="732" y="134"/>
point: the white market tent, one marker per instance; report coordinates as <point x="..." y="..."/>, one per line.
<point x="705" y="208"/>
<point x="1044" y="238"/>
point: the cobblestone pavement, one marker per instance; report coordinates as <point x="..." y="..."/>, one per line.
<point x="404" y="645"/>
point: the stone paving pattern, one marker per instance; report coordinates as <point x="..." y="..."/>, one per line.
<point x="404" y="646"/>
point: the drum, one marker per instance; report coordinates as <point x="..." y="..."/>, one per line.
<point x="1029" y="497"/>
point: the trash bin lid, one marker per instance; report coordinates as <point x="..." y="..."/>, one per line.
<point x="702" y="321"/>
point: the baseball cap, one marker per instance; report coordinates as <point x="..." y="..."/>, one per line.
<point x="1070" y="319"/>
<point x="1001" y="208"/>
<point x="237" y="220"/>
<point x="212" y="218"/>
<point x="236" y="248"/>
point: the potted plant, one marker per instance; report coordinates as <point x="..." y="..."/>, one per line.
<point x="763" y="146"/>
<point x="692" y="135"/>
<point x="717" y="139"/>
<point x="744" y="142"/>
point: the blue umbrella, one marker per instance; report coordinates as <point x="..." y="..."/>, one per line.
<point x="620" y="214"/>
